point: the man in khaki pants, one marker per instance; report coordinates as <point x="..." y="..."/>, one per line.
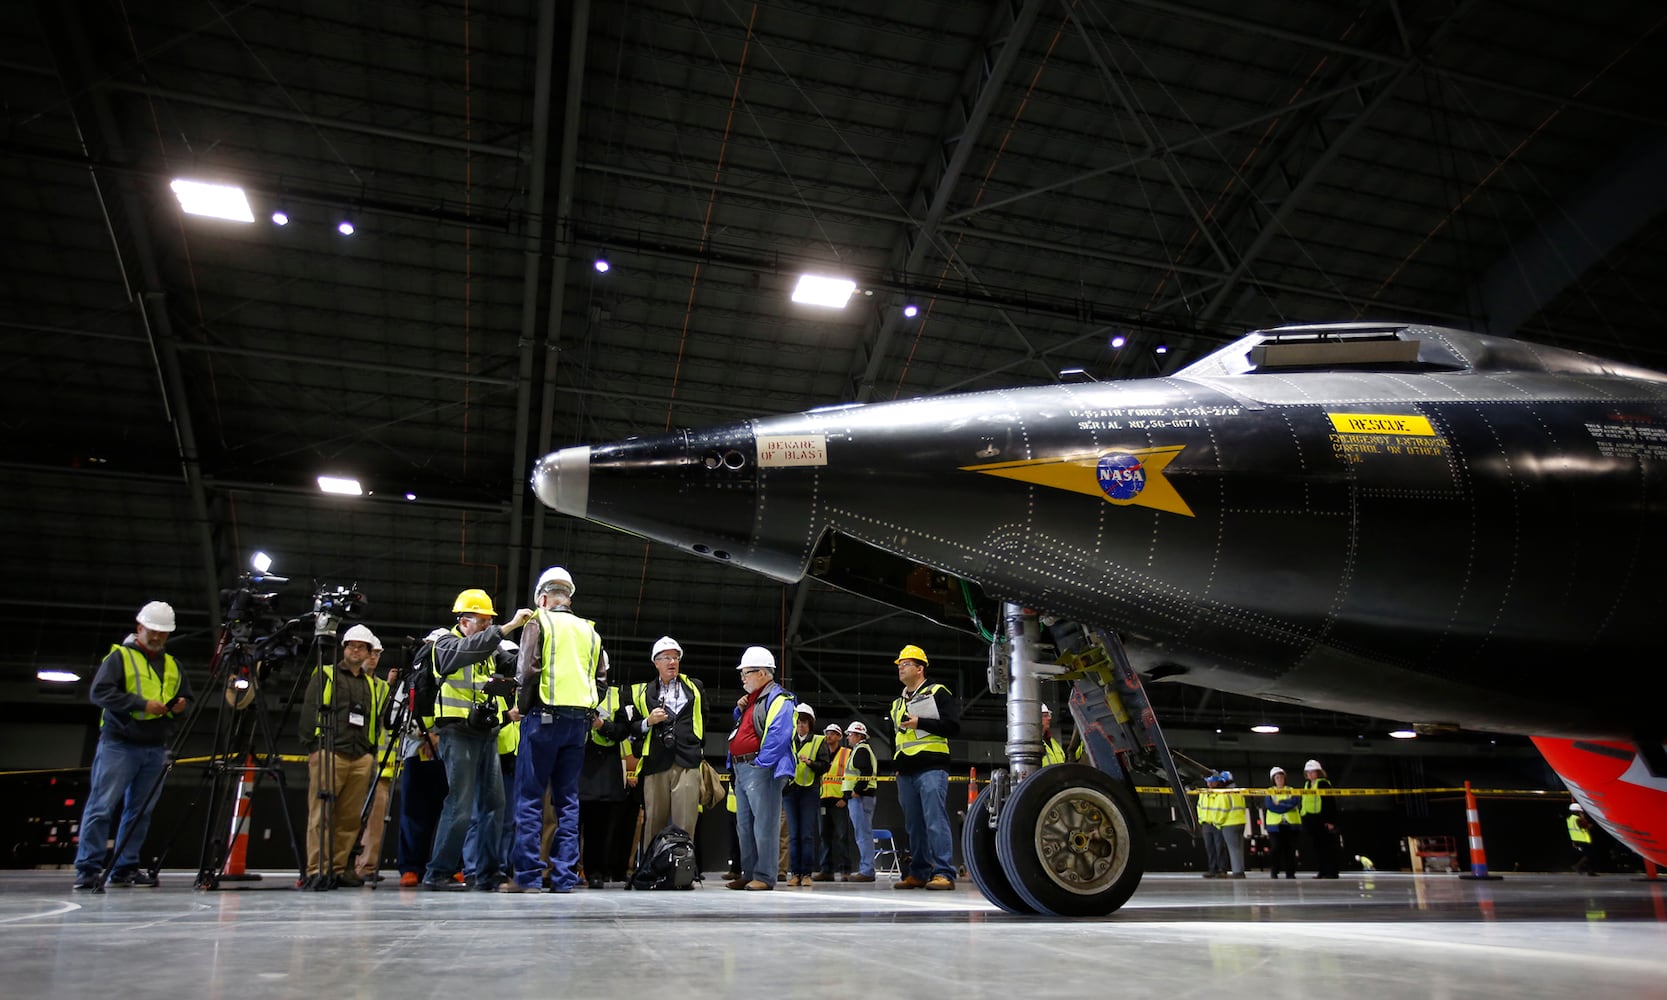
<point x="340" y="709"/>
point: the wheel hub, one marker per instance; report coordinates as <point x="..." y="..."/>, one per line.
<point x="1082" y="840"/>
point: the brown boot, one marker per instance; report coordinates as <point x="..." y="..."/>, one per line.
<point x="757" y="886"/>
<point x="822" y="877"/>
<point x="940" y="882"/>
<point x="736" y="883"/>
<point x="908" y="882"/>
<point x="859" y="877"/>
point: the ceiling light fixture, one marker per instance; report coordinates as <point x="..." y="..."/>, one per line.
<point x="213" y="201"/>
<point x="410" y="496"/>
<point x="821" y="290"/>
<point x="57" y="676"/>
<point x="280" y="218"/>
<point x="910" y="311"/>
<point x="1266" y="728"/>
<point x="602" y="266"/>
<point x="1161" y="349"/>
<point x="346" y="227"/>
<point x="337" y="484"/>
<point x="1402" y="734"/>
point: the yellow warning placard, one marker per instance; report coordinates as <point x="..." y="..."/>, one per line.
<point x="1382" y="423"/>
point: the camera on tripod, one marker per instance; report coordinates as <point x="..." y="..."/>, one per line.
<point x="332" y="604"/>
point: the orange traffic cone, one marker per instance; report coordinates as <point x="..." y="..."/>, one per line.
<point x="237" y="857"/>
<point x="972" y="786"/>
<point x="1478" y="857"/>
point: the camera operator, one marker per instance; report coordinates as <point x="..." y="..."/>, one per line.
<point x="344" y="690"/>
<point x="140" y="688"/>
<point x="561" y="658"/>
<point x="370" y="842"/>
<point x="466" y="717"/>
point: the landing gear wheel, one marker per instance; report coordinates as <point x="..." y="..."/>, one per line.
<point x="978" y="847"/>
<point x="1072" y="842"/>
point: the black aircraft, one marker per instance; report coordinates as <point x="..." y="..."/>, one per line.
<point x="1454" y="529"/>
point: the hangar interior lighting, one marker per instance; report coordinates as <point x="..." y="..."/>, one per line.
<point x="213" y="201"/>
<point x="1403" y="734"/>
<point x="57" y="676"/>
<point x="336" y="484"/>
<point x="821" y="290"/>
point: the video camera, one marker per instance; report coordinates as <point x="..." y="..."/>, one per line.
<point x="332" y="604"/>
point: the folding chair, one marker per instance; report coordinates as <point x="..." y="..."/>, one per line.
<point x="886" y="861"/>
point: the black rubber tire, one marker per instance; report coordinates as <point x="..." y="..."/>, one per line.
<point x="1072" y="842"/>
<point x="978" y="849"/>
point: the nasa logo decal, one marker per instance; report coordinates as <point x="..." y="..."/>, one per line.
<point x="1121" y="476"/>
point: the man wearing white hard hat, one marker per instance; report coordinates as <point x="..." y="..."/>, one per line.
<point x="761" y="760"/>
<point x="340" y="720"/>
<point x="863" y="787"/>
<point x="141" y="689"/>
<point x="1580" y="836"/>
<point x="671" y="722"/>
<point x="1319" y="820"/>
<point x="561" y="663"/>
<point x="1052" y="752"/>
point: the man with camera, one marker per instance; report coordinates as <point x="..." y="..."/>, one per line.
<point x="466" y="719"/>
<point x="671" y="719"/>
<point x="340" y="719"/>
<point x="561" y="660"/>
<point x="141" y="689"/>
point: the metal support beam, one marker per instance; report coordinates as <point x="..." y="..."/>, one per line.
<point x="959" y="135"/>
<point x="566" y="172"/>
<point x="141" y="276"/>
<point x="1607" y="210"/>
<point x="519" y="455"/>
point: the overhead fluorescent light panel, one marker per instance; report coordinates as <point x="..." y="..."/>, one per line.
<point x="821" y="290"/>
<point x="214" y="201"/>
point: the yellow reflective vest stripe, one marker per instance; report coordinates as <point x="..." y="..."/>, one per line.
<point x="1576" y="834"/>
<point x="1311" y="803"/>
<point x="462" y="689"/>
<point x="913" y="741"/>
<point x="571" y="650"/>
<point x="836" y="777"/>
<point x="1209" y="808"/>
<point x="142" y="680"/>
<point x="1284" y="818"/>
<point x="373" y="724"/>
<point x="1232" y="809"/>
<point x="855" y="782"/>
<point x="1052" y="752"/>
<point x="639" y="698"/>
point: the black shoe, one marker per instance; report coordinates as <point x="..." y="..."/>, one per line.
<point x="486" y="884"/>
<point x="122" y="879"/>
<point x="446" y="885"/>
<point x="86" y="883"/>
<point x="347" y="880"/>
<point x="595" y="883"/>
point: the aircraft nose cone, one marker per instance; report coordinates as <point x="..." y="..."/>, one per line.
<point x="562" y="480"/>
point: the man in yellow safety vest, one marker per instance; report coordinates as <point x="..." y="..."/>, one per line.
<point x="924" y="717"/>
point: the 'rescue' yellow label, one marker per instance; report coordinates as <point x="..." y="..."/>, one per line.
<point x="1381" y="423"/>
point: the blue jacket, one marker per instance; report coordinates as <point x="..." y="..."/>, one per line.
<point x="775" y="749"/>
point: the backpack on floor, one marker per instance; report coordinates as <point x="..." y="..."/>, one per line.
<point x="670" y="862"/>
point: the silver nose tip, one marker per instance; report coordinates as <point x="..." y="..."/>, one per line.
<point x="562" y="480"/>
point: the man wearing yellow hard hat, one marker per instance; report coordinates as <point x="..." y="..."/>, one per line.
<point x="466" y="717"/>
<point x="924" y="717"/>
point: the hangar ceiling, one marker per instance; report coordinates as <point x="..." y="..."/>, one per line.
<point x="1038" y="177"/>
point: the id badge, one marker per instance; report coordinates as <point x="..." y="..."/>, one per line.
<point x="356" y="718"/>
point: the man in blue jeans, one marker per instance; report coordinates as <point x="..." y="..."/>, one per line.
<point x="861" y="787"/>
<point x="141" y="690"/>
<point x="761" y="759"/>
<point x="466" y="718"/>
<point x="924" y="717"/>
<point x="561" y="662"/>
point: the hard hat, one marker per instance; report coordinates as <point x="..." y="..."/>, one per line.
<point x="509" y="646"/>
<point x="157" y="616"/>
<point x="666" y="642"/>
<point x="759" y="657"/>
<point x="556" y="576"/>
<point x="1046" y="710"/>
<point x="437" y="635"/>
<point x="359" y="633"/>
<point x="1227" y="776"/>
<point x="858" y="728"/>
<point x="832" y="727"/>
<point x="1312" y="765"/>
<point x="804" y="710"/>
<point x="1575" y="807"/>
<point x="474" y="602"/>
<point x="1274" y="771"/>
<point x="912" y="653"/>
<point x="1212" y="779"/>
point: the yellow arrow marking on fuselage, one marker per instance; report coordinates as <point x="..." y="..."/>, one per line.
<point x="1081" y="475"/>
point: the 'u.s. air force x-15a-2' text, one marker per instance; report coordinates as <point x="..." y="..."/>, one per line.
<point x="1399" y="521"/>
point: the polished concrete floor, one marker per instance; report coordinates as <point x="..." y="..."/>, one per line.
<point x="1361" y="937"/>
